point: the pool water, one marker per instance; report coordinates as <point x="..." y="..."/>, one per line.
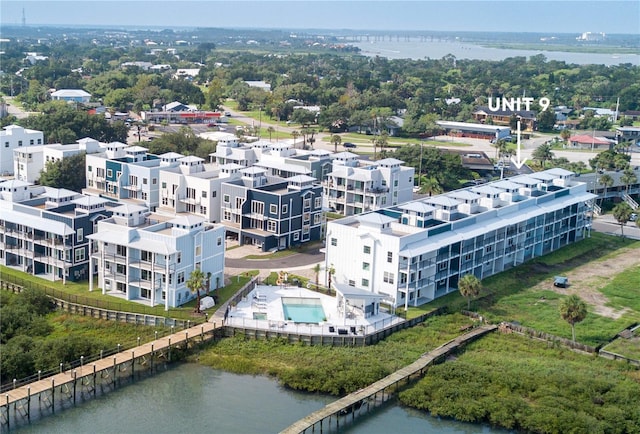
<point x="303" y="310"/>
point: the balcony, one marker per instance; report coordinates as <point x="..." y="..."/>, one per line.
<point x="132" y="187"/>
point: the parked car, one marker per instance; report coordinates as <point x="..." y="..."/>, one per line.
<point x="349" y="145"/>
<point x="633" y="217"/>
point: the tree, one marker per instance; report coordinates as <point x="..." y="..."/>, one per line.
<point x="330" y="272"/>
<point x="429" y="185"/>
<point x="607" y="181"/>
<point x="565" y="134"/>
<point x="195" y="283"/>
<point x="270" y="130"/>
<point x="336" y="140"/>
<point x="622" y="213"/>
<point x="66" y="173"/>
<point x="628" y="177"/>
<point x="546" y="120"/>
<point x="573" y="310"/>
<point x="295" y="134"/>
<point x="543" y="154"/>
<point x="469" y="286"/>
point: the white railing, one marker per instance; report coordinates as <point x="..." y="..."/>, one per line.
<point x="632" y="203"/>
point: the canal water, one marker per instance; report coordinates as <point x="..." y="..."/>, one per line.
<point x="190" y="398"/>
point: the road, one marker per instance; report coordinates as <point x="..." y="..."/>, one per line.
<point x="16" y="111"/>
<point x="607" y="224"/>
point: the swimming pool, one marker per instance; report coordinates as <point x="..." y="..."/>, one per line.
<point x="303" y="310"/>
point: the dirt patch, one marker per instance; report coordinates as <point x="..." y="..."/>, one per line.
<point x="586" y="279"/>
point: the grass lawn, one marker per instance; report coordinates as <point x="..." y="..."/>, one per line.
<point x="509" y="296"/>
<point x="75" y="292"/>
<point x="365" y="140"/>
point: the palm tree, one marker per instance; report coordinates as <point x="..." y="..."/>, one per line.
<point x="330" y="272"/>
<point x="195" y="283"/>
<point x="628" y="177"/>
<point x="295" y="134"/>
<point x="336" y="140"/>
<point x="622" y="213"/>
<point x="469" y="286"/>
<point x="573" y="310"/>
<point x="543" y="154"/>
<point x="316" y="270"/>
<point x="270" y="130"/>
<point x="429" y="186"/>
<point x="607" y="181"/>
<point x="565" y="134"/>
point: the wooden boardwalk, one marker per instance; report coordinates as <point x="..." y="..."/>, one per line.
<point x="354" y="401"/>
<point x="65" y="387"/>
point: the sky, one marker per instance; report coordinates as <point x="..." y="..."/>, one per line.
<point x="559" y="16"/>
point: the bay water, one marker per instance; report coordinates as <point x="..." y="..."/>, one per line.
<point x="437" y="49"/>
<point x="190" y="398"/>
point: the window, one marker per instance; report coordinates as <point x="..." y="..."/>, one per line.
<point x="203" y="209"/>
<point x="80" y="235"/>
<point x="154" y="181"/>
<point x="89" y="168"/>
<point x="352" y="283"/>
<point x="198" y="250"/>
<point x="488" y="249"/>
<point x="121" y="250"/>
<point x="318" y="202"/>
<point x="204" y="194"/>
<point x="296" y="236"/>
<point x="79" y="255"/>
<point x="144" y="195"/>
<point x="365" y="283"/>
<point x="273" y="209"/>
<point x="334" y="242"/>
<point x="390" y="257"/>
<point x="109" y="173"/>
<point x="144" y="181"/>
<point x="133" y="180"/>
<point x="442" y="266"/>
<point x="39" y="141"/>
<point x="180" y="277"/>
<point x="225" y="198"/>
<point x="365" y="266"/>
<point x="146" y="256"/>
<point x="219" y="242"/>
<point x="191" y="193"/>
<point x="272" y="226"/>
<point x="306" y="217"/>
<point x="285" y="209"/>
<point x="226" y="216"/>
<point x="388" y="277"/>
<point x="179" y="257"/>
<point x="307" y="203"/>
<point x="214" y="193"/>
<point x="164" y="185"/>
<point x="316" y="218"/>
<point x="121" y="269"/>
<point x="19" y="142"/>
<point x="257" y="207"/>
<point x="366" y="250"/>
<point x="145" y="275"/>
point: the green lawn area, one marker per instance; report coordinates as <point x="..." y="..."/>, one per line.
<point x="75" y="292"/>
<point x="509" y="296"/>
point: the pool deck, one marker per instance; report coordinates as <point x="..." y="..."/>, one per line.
<point x="268" y="299"/>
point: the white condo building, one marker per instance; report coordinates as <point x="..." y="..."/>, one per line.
<point x="415" y="252"/>
<point x="149" y="257"/>
<point x="355" y="186"/>
<point x="30" y="161"/>
<point x="14" y="137"/>
<point x="188" y="184"/>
